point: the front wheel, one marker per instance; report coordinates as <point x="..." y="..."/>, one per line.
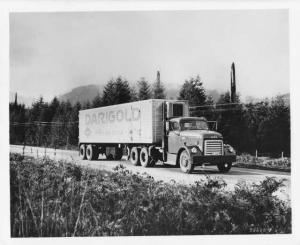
<point x="185" y="162"/>
<point x="224" y="167"/>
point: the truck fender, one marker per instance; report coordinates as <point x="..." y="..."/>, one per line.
<point x="179" y="152"/>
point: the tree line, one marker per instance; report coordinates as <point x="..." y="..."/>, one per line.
<point x="262" y="126"/>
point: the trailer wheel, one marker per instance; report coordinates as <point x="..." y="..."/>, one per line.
<point x="127" y="153"/>
<point x="224" y="167"/>
<point x="91" y="153"/>
<point x="135" y="156"/>
<point x="185" y="162"/>
<point x="145" y="158"/>
<point x="82" y="152"/>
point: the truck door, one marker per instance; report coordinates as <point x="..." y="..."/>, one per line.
<point x="173" y="137"/>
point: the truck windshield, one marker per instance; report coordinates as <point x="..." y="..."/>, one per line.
<point x="193" y="125"/>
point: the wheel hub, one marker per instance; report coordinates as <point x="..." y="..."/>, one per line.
<point x="185" y="161"/>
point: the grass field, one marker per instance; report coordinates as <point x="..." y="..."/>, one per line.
<point x="54" y="198"/>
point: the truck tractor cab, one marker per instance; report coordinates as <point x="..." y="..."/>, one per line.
<point x="190" y="143"/>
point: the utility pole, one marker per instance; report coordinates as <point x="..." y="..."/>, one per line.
<point x="158" y="77"/>
<point x="16" y="99"/>
<point x="233" y="86"/>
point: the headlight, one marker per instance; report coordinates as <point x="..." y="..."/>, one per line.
<point x="194" y="150"/>
<point x="230" y="149"/>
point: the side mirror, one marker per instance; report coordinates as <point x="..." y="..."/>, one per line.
<point x="167" y="128"/>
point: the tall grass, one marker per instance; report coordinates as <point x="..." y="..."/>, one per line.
<point x="50" y="198"/>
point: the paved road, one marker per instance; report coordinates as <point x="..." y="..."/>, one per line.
<point x="160" y="172"/>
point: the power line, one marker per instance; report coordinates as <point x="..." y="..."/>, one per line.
<point x="214" y="105"/>
<point x="42" y="123"/>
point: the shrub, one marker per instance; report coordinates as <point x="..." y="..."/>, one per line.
<point x="50" y="198"/>
<point x="246" y="160"/>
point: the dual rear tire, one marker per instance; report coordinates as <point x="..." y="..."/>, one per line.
<point x="141" y="157"/>
<point x="82" y="153"/>
<point x="89" y="152"/>
<point x="137" y="156"/>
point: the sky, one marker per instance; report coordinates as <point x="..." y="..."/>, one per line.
<point x="51" y="53"/>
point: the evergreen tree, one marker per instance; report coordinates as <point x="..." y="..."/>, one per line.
<point x="37" y="114"/>
<point x="158" y="90"/>
<point x="97" y="101"/>
<point x="209" y="100"/>
<point x="144" y="89"/>
<point x="17" y="118"/>
<point x="122" y="91"/>
<point x="61" y="125"/>
<point x="108" y="93"/>
<point x="193" y="91"/>
<point x="116" y="92"/>
<point x="73" y="127"/>
<point x="224" y="98"/>
<point x="54" y="105"/>
<point x="87" y="105"/>
<point x="133" y="94"/>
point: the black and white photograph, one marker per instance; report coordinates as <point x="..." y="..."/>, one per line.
<point x="150" y="123"/>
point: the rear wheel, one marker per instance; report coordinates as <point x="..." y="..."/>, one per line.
<point x="185" y="162"/>
<point x="127" y="153"/>
<point x="82" y="154"/>
<point x="92" y="152"/>
<point x="224" y="167"/>
<point x="145" y="158"/>
<point x="135" y="156"/>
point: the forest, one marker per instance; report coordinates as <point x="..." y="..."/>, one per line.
<point x="262" y="127"/>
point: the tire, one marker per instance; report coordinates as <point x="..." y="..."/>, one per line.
<point x="127" y="155"/>
<point x="145" y="159"/>
<point x="224" y="167"/>
<point x="82" y="154"/>
<point x="91" y="153"/>
<point x="185" y="163"/>
<point x="135" y="156"/>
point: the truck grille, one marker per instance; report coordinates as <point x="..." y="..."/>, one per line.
<point x="213" y="147"/>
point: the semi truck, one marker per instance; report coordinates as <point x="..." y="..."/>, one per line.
<point x="153" y="130"/>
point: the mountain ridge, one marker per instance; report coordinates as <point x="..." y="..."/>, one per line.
<point x="80" y="94"/>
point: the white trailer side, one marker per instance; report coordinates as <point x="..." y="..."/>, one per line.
<point x="135" y="122"/>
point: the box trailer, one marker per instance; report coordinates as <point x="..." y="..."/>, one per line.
<point x="152" y="130"/>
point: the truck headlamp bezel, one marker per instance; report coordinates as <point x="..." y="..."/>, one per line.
<point x="230" y="149"/>
<point x="194" y="149"/>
